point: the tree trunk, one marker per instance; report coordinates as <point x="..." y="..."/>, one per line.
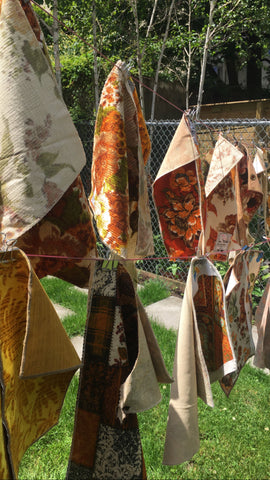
<point x="189" y="55"/>
<point x="96" y="75"/>
<point x="139" y="56"/>
<point x="56" y="45"/>
<point x="160" y="60"/>
<point x="205" y="54"/>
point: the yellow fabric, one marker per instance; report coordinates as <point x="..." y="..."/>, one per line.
<point x="40" y="151"/>
<point x="30" y="406"/>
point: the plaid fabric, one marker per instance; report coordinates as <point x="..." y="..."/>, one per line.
<point x="103" y="447"/>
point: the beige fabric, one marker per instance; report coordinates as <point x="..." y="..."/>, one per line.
<point x="140" y="391"/>
<point x="47" y="348"/>
<point x="40" y="151"/>
<point x="221" y="201"/>
<point x="182" y="150"/>
<point x="225" y="157"/>
<point x="182" y="436"/>
<point x="203" y="354"/>
<point x="262" y="319"/>
<point x="156" y="355"/>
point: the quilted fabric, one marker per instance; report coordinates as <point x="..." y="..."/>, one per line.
<point x="119" y="196"/>
<point x="103" y="447"/>
<point x="40" y="151"/>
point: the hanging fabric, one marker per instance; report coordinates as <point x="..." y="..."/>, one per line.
<point x="262" y="320"/>
<point x="221" y="200"/>
<point x="37" y="361"/>
<point x="249" y="198"/>
<point x="66" y="230"/>
<point x="41" y="153"/>
<point x="239" y="282"/>
<point x="119" y="197"/>
<point x="204" y="354"/>
<point x="178" y="194"/>
<point x="64" y="241"/>
<point x="105" y="446"/>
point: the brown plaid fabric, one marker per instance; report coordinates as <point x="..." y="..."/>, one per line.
<point x="103" y="447"/>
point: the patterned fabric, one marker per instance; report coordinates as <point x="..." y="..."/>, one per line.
<point x="248" y="197"/>
<point x="103" y="447"/>
<point x="40" y="151"/>
<point x="221" y="201"/>
<point x="177" y="193"/>
<point x="37" y="361"/>
<point x="239" y="282"/>
<point x="262" y="319"/>
<point x="203" y="354"/>
<point x="66" y="231"/>
<point x="119" y="197"/>
<point x="261" y="170"/>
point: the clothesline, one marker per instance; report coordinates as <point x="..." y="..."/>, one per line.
<point x="63" y="257"/>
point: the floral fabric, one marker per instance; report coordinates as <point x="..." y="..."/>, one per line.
<point x="104" y="447"/>
<point x="239" y="282"/>
<point x="203" y="354"/>
<point x="177" y="194"/>
<point x="262" y="319"/>
<point x="66" y="231"/>
<point x="249" y="198"/>
<point x="37" y="361"/>
<point x="40" y="151"/>
<point x="221" y="201"/>
<point x="119" y="197"/>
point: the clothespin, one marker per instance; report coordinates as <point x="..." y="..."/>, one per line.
<point x="7" y="246"/>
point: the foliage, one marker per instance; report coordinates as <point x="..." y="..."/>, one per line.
<point x="240" y="36"/>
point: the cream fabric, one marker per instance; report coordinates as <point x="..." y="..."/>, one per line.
<point x="40" y="151"/>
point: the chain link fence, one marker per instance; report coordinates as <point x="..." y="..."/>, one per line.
<point x="249" y="132"/>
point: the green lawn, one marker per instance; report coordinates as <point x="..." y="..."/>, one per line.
<point x="235" y="435"/>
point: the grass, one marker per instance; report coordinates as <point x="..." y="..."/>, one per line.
<point x="153" y="291"/>
<point x="65" y="294"/>
<point x="235" y="435"/>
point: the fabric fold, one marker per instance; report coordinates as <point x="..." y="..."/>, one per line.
<point x="119" y="196"/>
<point x="221" y="200"/>
<point x="178" y="194"/>
<point x="262" y="320"/>
<point x="40" y="151"/>
<point x="239" y="282"/>
<point x="63" y="243"/>
<point x="103" y="447"/>
<point x="203" y="353"/>
<point x="37" y="360"/>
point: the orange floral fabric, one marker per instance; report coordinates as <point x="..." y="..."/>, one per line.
<point x="34" y="374"/>
<point x="178" y="194"/>
<point x="119" y="197"/>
